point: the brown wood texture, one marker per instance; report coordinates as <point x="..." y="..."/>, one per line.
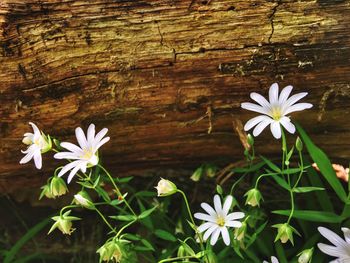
<point x="150" y="70"/>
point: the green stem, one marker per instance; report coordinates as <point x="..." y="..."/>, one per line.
<point x="125" y="226"/>
<point x="67" y="207"/>
<point x="117" y="189"/>
<point x="105" y="220"/>
<point x="192" y="220"/>
<point x="177" y="258"/>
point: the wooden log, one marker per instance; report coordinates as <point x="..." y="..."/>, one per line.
<point x="150" y="70"/>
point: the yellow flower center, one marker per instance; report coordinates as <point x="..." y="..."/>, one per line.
<point x="220" y="221"/>
<point x="276" y="113"/>
<point x="87" y="154"/>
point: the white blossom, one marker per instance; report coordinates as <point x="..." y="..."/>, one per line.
<point x="341" y="248"/>
<point x="37" y="143"/>
<point x="218" y="220"/>
<point x="274" y="112"/>
<point x="273" y="260"/>
<point x="85" y="155"/>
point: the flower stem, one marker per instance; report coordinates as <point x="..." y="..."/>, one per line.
<point x="105" y="220"/>
<point x="125" y="226"/>
<point x="117" y="189"/>
<point x="176" y="258"/>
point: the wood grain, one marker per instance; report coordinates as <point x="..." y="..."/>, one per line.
<point x="149" y="71"/>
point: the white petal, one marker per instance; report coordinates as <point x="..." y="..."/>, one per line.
<point x="333" y="238"/>
<point x="102" y="142"/>
<point x="209" y="232"/>
<point x="295" y="98"/>
<point x="67" y="167"/>
<point x="276" y="129"/>
<point x="27" y="157"/>
<point x="285" y="121"/>
<point x="208" y="209"/>
<point x="235" y="224"/>
<point x="72" y="147"/>
<point x="66" y="155"/>
<point x="273" y="93"/>
<point x="31" y="148"/>
<point x="285" y="94"/>
<point x="217" y="204"/>
<point x="215" y="236"/>
<point x="81" y="138"/>
<point x="260" y="99"/>
<point x="254" y="107"/>
<point x="227" y="205"/>
<point x="91" y="133"/>
<point x="297" y="107"/>
<point x="204" y="227"/>
<point x="205" y="217"/>
<point x="35" y="129"/>
<point x="261" y="126"/>
<point x="330" y="250"/>
<point x="274" y="260"/>
<point x="234" y="216"/>
<point x="346" y="232"/>
<point x="38" y="159"/>
<point x="225" y="236"/>
<point x="100" y="135"/>
<point x="73" y="172"/>
<point x="254" y="121"/>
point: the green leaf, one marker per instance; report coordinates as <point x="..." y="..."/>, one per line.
<point x="147" y="244"/>
<point x="11" y="254"/>
<point x="323" y="163"/>
<point x="146" y="194"/>
<point x="124" y="217"/>
<point x="103" y="194"/>
<point x="219" y="189"/>
<point x="253" y="168"/>
<point x="124" y="179"/>
<point x="165" y="235"/>
<point x="307" y="189"/>
<point x="281" y="181"/>
<point x="147" y="212"/>
<point x="314" y="216"/>
<point x="270" y="164"/>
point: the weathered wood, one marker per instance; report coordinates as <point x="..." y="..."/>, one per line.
<point x="150" y="70"/>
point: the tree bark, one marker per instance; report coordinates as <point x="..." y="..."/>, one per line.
<point x="166" y="77"/>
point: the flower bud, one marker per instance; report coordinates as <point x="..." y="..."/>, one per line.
<point x="57" y="186"/>
<point x="239" y="233"/>
<point x="197" y="174"/>
<point x="82" y="198"/>
<point x="46" y="192"/>
<point x="305" y="256"/>
<point x="285" y="233"/>
<point x="111" y="250"/>
<point x="64" y="223"/>
<point x="210" y="170"/>
<point x="299" y="144"/>
<point x="166" y="187"/>
<point x="250" y="139"/>
<point x="253" y="197"/>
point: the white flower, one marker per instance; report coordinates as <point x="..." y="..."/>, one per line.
<point x="166" y="187"/>
<point x="38" y="144"/>
<point x="86" y="155"/>
<point x="273" y="260"/>
<point x="274" y="111"/>
<point x="218" y="220"/>
<point x="341" y="248"/>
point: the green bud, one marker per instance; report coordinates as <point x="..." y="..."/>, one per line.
<point x="253" y="197"/>
<point x="166" y="187"/>
<point x="46" y="192"/>
<point x="82" y="198"/>
<point x="197" y="174"/>
<point x="111" y="251"/>
<point x="305" y="256"/>
<point x="57" y="186"/>
<point x="250" y="139"/>
<point x="285" y="233"/>
<point x="239" y="233"/>
<point x="64" y="223"/>
<point x="299" y="144"/>
<point x="210" y="170"/>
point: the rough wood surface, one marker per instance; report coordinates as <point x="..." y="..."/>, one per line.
<point x="150" y="70"/>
